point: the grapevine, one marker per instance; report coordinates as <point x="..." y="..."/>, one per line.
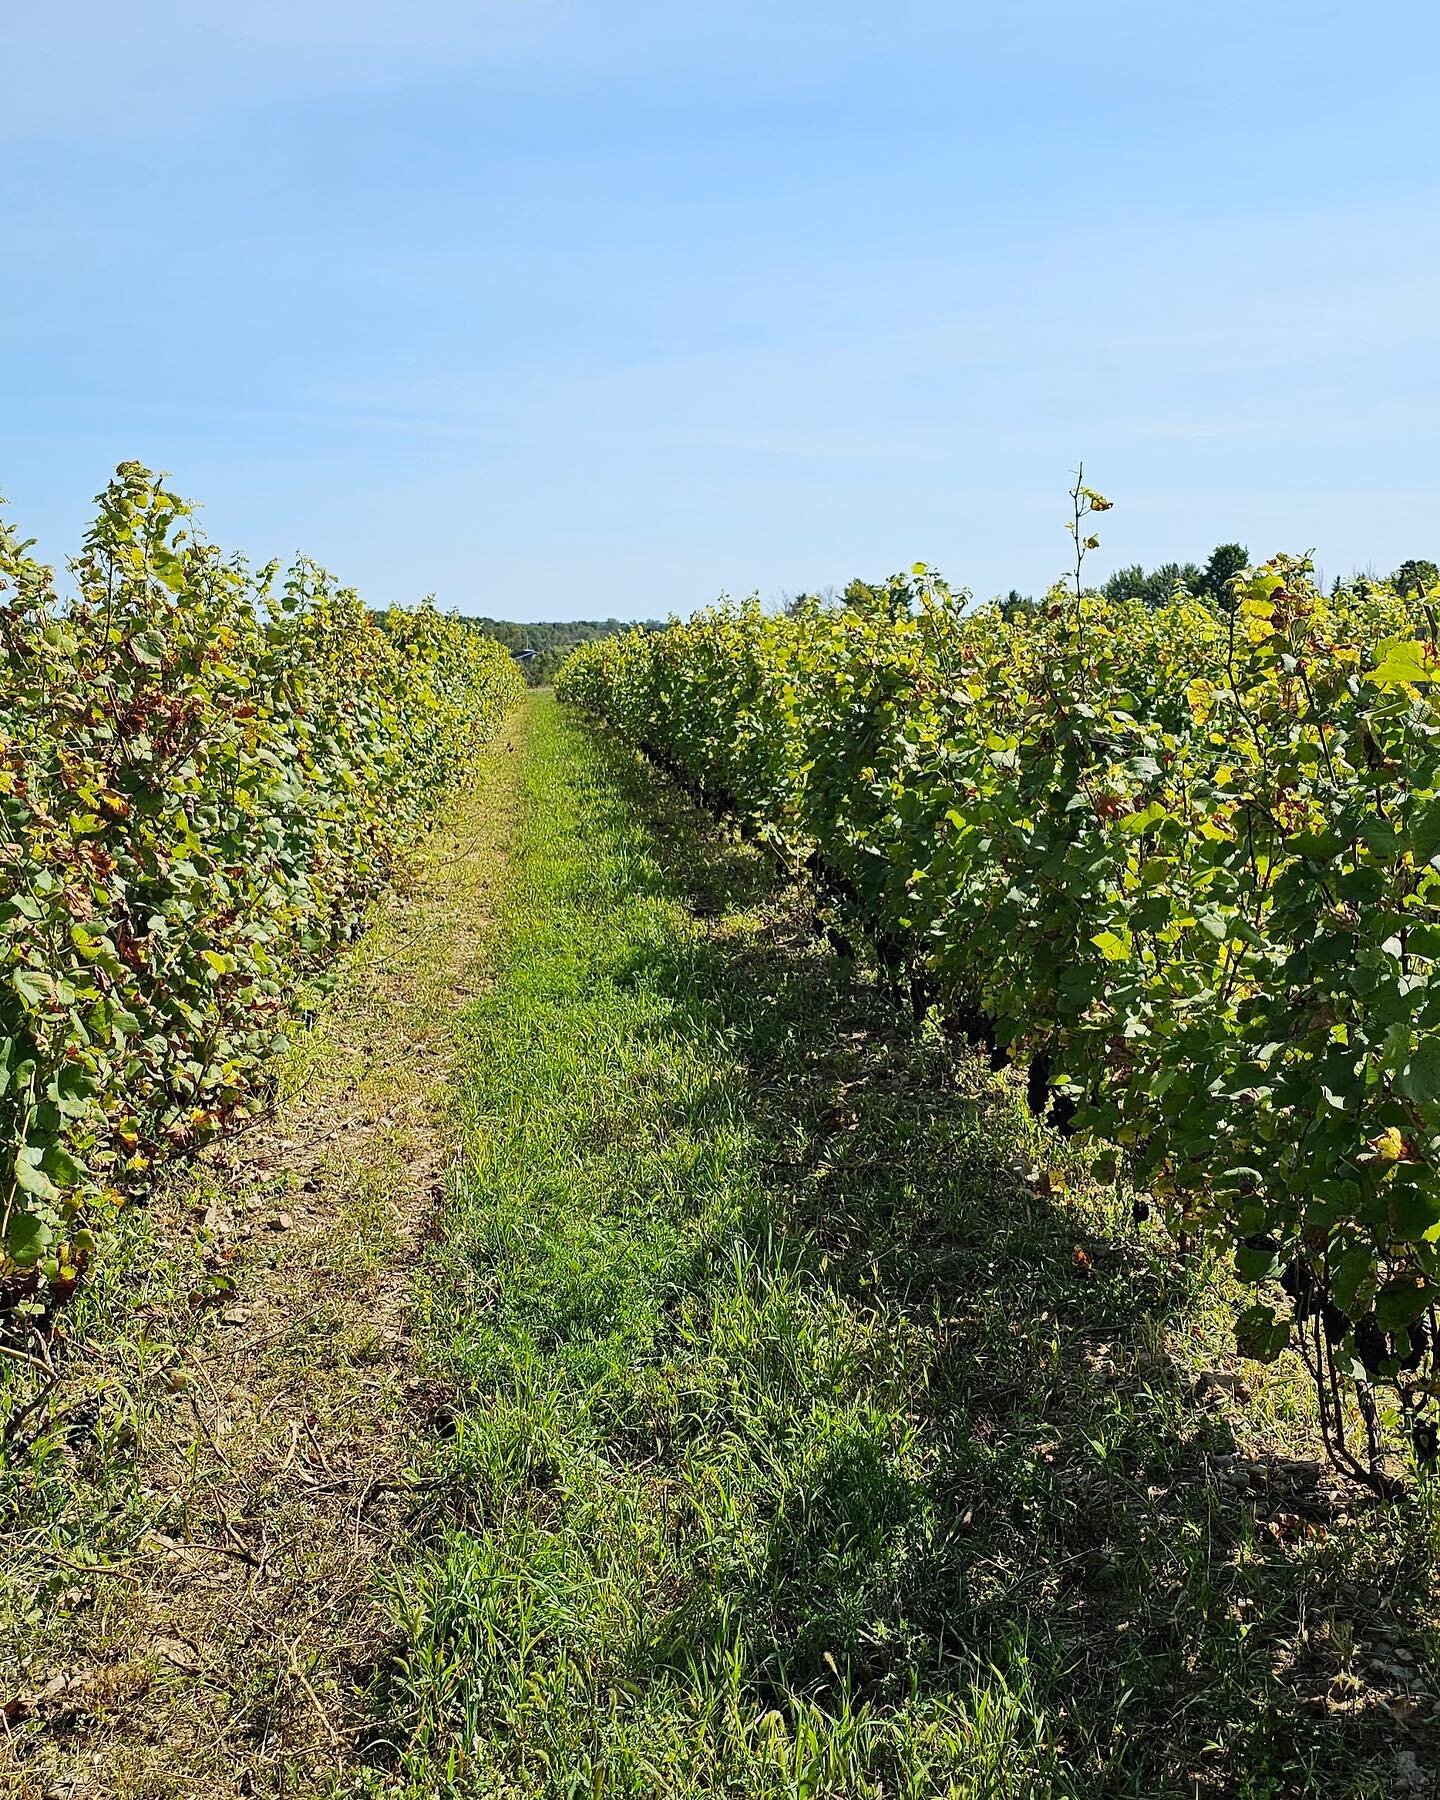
<point x="1183" y="861"/>
<point x="206" y="775"/>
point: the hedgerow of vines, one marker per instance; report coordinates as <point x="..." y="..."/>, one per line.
<point x="205" y="776"/>
<point x="1182" y="861"/>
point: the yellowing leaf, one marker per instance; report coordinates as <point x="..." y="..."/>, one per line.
<point x="1402" y="661"/>
<point x="1388" y="1146"/>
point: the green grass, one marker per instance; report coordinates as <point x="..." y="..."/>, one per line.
<point x="801" y="1445"/>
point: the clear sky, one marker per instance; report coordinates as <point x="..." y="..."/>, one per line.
<point x="566" y="309"/>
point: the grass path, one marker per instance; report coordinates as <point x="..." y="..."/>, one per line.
<point x="191" y="1528"/>
<point x="805" y="1443"/>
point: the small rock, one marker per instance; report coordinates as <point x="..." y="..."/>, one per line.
<point x="1210" y="1385"/>
<point x="282" y="1221"/>
<point x="178" y="1653"/>
<point x="1303" y="1474"/>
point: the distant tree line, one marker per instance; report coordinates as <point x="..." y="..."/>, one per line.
<point x="543" y="645"/>
<point x="548" y="642"/>
<point x="1156" y="586"/>
<point x="1416" y="575"/>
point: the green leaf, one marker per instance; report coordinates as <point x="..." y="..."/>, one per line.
<point x="33" y="986"/>
<point x="147" y="647"/>
<point x="30" y="1177"/>
<point x="27" y="1238"/>
<point x="1401" y="1301"/>
<point x="1414" y="1211"/>
<point x="1425" y="830"/>
<point x="1256" y="1265"/>
<point x="60" y="1166"/>
<point x="1401" y="660"/>
<point x="1260" y="1335"/>
<point x="1420" y="1077"/>
<point x="72" y="1088"/>
<point x="1136" y="822"/>
<point x="1319" y="846"/>
<point x="1111" y="946"/>
<point x="1349" y="1274"/>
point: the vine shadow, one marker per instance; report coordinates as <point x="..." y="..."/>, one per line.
<point x="1069" y="1511"/>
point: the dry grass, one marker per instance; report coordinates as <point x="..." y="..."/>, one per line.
<point x="194" y="1518"/>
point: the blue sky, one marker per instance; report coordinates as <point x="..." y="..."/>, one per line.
<point x="565" y="310"/>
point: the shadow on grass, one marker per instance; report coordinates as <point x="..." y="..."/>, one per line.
<point x="1037" y="1495"/>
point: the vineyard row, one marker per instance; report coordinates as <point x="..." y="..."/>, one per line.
<point x="206" y="775"/>
<point x="1180" y="860"/>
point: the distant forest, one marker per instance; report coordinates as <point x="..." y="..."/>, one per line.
<point x="1415" y="576"/>
<point x="552" y="641"/>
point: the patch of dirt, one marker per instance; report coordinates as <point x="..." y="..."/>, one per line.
<point x="219" y="1641"/>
